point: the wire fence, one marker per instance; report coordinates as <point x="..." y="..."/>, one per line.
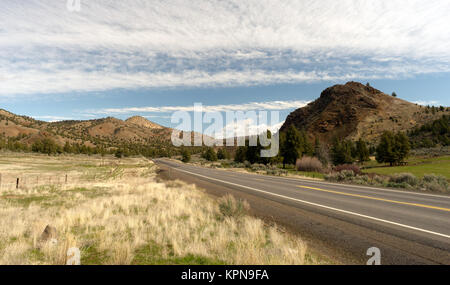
<point x="27" y="181"/>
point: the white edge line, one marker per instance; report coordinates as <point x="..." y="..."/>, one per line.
<point x="318" y="205"/>
<point x="362" y="186"/>
<point x="339" y="184"/>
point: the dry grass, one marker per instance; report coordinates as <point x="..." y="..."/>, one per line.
<point x="124" y="216"/>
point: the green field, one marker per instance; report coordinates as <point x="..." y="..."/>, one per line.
<point x="418" y="166"/>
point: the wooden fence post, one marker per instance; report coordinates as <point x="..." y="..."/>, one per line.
<point x="17" y="183"/>
<point x="66" y="178"/>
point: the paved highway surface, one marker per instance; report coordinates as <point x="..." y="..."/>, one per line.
<point x="408" y="227"/>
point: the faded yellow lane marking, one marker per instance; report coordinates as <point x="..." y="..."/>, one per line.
<point x="375" y="198"/>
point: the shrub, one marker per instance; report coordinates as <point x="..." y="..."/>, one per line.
<point x="362" y="180"/>
<point x="347" y="174"/>
<point x="118" y="153"/>
<point x="351" y="167"/>
<point x="407" y="178"/>
<point x="379" y="180"/>
<point x="344" y="175"/>
<point x="309" y="164"/>
<point x="398" y="185"/>
<point x="186" y="156"/>
<point x="258" y="167"/>
<point x="436" y="183"/>
<point x="237" y="165"/>
<point x="232" y="207"/>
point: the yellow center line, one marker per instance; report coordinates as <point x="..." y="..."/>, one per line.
<point x="374" y="198"/>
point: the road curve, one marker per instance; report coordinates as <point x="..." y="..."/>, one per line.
<point x="408" y="227"/>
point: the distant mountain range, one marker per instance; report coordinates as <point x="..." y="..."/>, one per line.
<point x="107" y="132"/>
<point x="349" y="111"/>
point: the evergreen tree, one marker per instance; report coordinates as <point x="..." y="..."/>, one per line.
<point x="186" y="156"/>
<point x="210" y="154"/>
<point x="291" y="146"/>
<point x="67" y="147"/>
<point x="47" y="146"/>
<point x="342" y="152"/>
<point x="222" y="153"/>
<point x="402" y="147"/>
<point x="362" y="152"/>
<point x="240" y="155"/>
<point x="393" y="148"/>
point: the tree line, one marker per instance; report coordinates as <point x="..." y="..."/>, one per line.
<point x="431" y="134"/>
<point x="393" y="148"/>
<point x="51" y="147"/>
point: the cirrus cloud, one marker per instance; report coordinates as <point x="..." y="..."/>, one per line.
<point x="45" y="48"/>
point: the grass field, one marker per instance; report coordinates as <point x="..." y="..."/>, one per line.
<point x="419" y="166"/>
<point x="117" y="212"/>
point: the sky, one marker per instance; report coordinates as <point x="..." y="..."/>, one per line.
<point x="103" y="58"/>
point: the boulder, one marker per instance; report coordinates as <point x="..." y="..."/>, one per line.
<point x="49" y="235"/>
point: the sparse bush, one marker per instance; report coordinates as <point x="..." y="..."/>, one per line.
<point x="232" y="207"/>
<point x="344" y="175"/>
<point x="407" y="178"/>
<point x="380" y="180"/>
<point x="237" y="165"/>
<point x="331" y="177"/>
<point x="347" y="174"/>
<point x="352" y="167"/>
<point x="258" y="167"/>
<point x="435" y="183"/>
<point x="310" y="164"/>
<point x="362" y="180"/>
<point x="403" y="185"/>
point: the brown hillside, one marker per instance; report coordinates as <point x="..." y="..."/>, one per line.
<point x="107" y="132"/>
<point x="357" y="111"/>
<point x="143" y="122"/>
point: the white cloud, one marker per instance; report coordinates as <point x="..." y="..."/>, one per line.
<point x="427" y="103"/>
<point x="253" y="106"/>
<point x="247" y="127"/>
<point x="53" y="118"/>
<point x="44" y="48"/>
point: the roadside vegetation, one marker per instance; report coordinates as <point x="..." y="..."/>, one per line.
<point x="393" y="162"/>
<point x="116" y="211"/>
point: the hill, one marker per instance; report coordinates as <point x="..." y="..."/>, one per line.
<point x="354" y="111"/>
<point x="106" y="132"/>
<point x="143" y="122"/>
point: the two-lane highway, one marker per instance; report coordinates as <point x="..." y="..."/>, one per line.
<point x="410" y="227"/>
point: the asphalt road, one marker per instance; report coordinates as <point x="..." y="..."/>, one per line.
<point x="345" y="220"/>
